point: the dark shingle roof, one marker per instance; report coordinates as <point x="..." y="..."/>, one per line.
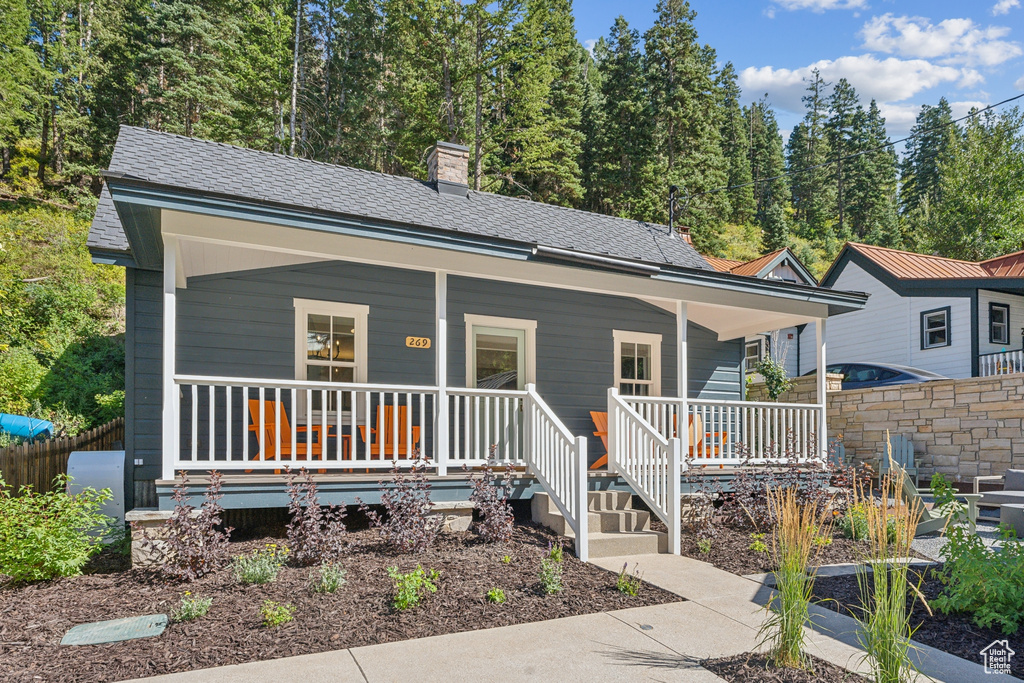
<point x="106" y="232"/>
<point x="211" y="167"/>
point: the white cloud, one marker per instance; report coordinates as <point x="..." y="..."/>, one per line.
<point x="951" y="41"/>
<point x="900" y="118"/>
<point x="822" y="5"/>
<point x="886" y="80"/>
<point x="1019" y="83"/>
<point x="1004" y="6"/>
<point x="589" y="45"/>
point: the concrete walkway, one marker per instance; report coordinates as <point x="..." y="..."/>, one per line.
<point x="721" y="617"/>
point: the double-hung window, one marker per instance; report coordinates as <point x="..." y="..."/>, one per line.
<point x="998" y="323"/>
<point x="637" y="363"/>
<point x="935" y="328"/>
<point x="752" y="355"/>
<point x="330" y="346"/>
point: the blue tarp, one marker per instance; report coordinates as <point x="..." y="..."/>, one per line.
<point x="25" y="427"/>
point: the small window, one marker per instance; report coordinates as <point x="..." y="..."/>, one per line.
<point x="999" y="323"/>
<point x="935" y="328"/>
<point x="638" y="363"/>
<point x="330" y="346"/>
<point x="753" y="355"/>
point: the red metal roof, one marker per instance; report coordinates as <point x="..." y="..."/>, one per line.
<point x="754" y="267"/>
<point x="1011" y="265"/>
<point x="722" y="265"/>
<point x="907" y="265"/>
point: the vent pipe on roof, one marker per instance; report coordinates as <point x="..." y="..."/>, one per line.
<point x="448" y="168"/>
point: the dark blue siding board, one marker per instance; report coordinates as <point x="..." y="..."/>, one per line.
<point x="143" y="354"/>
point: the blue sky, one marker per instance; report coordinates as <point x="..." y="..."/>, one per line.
<point x="902" y="53"/>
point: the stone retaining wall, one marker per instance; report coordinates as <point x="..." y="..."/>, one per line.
<point x="803" y="389"/>
<point x="962" y="428"/>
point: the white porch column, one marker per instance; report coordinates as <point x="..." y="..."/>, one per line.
<point x="819" y="328"/>
<point x="441" y="370"/>
<point x="169" y="419"/>
<point x="682" y="377"/>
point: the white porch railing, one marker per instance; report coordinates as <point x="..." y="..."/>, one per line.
<point x="486" y="424"/>
<point x="559" y="462"/>
<point x="649" y="461"/>
<point x="734" y="432"/>
<point x="1001" y="363"/>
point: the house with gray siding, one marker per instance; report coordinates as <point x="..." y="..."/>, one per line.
<point x="283" y="312"/>
<point x="951" y="317"/>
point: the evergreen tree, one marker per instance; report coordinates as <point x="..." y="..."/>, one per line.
<point x="981" y="182"/>
<point x="872" y="193"/>
<point x="736" y="148"/>
<point x="624" y="149"/>
<point x="919" y="170"/>
<point x="841" y="131"/>
<point x="592" y="126"/>
<point x="681" y="76"/>
<point x="775" y="228"/>
<point x="261" y="75"/>
<point x="813" y="197"/>
<point x="767" y="166"/>
<point x="16" y="75"/>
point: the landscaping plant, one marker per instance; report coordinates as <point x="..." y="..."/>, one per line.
<point x="981" y="581"/>
<point x="496" y="595"/>
<point x="409" y="588"/>
<point x="193" y="545"/>
<point x="757" y="543"/>
<point x="854" y="524"/>
<point x="628" y="583"/>
<point x="776" y="381"/>
<point x="260" y="566"/>
<point x="407" y="522"/>
<point x="327" y="578"/>
<point x="49" y="534"/>
<point x="191" y="608"/>
<point x="551" y="569"/>
<point x="884" y="629"/>
<point x="793" y="548"/>
<point x="275" y="614"/>
<point x="490" y="498"/>
<point x="315" y="536"/>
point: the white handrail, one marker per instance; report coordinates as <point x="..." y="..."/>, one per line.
<point x="649" y="462"/>
<point x="485" y="425"/>
<point x="559" y="462"/>
<point x="1001" y="363"/>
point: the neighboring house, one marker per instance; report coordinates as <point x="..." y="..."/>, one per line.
<point x="796" y="346"/>
<point x="954" y="318"/>
<point x="283" y="311"/>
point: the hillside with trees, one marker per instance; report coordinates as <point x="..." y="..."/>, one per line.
<point x="373" y="83"/>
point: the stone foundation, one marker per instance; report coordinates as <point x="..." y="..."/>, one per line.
<point x="455" y="516"/>
<point x="148" y="522"/>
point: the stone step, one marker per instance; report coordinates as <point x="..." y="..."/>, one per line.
<point x="605" y="521"/>
<point x="614" y="527"/>
<point x="627" y="543"/>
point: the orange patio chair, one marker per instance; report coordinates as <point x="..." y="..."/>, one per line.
<point x="270" y="441"/>
<point x="384" y="435"/>
<point x="697" y="445"/>
<point x="601" y="422"/>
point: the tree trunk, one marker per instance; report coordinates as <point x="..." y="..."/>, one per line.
<point x="295" y="77"/>
<point x="479" y="94"/>
<point x="5" y="161"/>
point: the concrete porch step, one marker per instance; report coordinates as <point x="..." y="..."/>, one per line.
<point x="614" y="527"/>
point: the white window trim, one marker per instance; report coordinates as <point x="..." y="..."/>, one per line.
<point x="359" y="312"/>
<point x="945" y="312"/>
<point x="529" y="327"/>
<point x="760" y="341"/>
<point x="630" y="337"/>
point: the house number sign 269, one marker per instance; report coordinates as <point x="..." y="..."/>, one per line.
<point x="418" y="342"/>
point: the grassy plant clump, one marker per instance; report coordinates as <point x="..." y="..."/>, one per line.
<point x="496" y="595"/>
<point x="793" y="548"/>
<point x="884" y="629"/>
<point x="50" y="534"/>
<point x="409" y="588"/>
<point x="629" y="583"/>
<point x="854" y="524"/>
<point x="191" y="608"/>
<point x="506" y="559"/>
<point x="327" y="578"/>
<point x="260" y="566"/>
<point x="704" y="546"/>
<point x="757" y="544"/>
<point x="275" y="614"/>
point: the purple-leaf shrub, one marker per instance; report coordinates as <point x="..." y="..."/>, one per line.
<point x="490" y="497"/>
<point x="315" y="535"/>
<point x="407" y="522"/>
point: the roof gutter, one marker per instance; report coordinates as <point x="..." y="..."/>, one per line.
<point x="596" y="260"/>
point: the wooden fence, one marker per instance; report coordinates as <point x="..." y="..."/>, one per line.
<point x="36" y="464"/>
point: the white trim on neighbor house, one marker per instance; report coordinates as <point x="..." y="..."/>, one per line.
<point x="620" y="337"/>
<point x="529" y="327"/>
<point x="358" y="312"/>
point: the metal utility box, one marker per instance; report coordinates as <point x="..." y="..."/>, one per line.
<point x="102" y="470"/>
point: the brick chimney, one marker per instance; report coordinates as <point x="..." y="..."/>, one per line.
<point x="448" y="168"/>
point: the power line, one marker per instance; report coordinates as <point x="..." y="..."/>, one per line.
<point x="843" y="158"/>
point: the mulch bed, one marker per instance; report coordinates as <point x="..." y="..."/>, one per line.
<point x="730" y="550"/>
<point x="34" y="618"/>
<point x="956" y="634"/>
<point x="754" y="667"/>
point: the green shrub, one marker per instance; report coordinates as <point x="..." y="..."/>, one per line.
<point x="550" y="575"/>
<point x="758" y="545"/>
<point x="981" y="581"/>
<point x="260" y="566"/>
<point x="21" y="374"/>
<point x="275" y="614"/>
<point x="191" y="608"/>
<point x="854" y="524"/>
<point x="327" y="578"/>
<point x="50" y="534"/>
<point x="496" y="595"/>
<point x="776" y="381"/>
<point x="627" y="582"/>
<point x="409" y="588"/>
<point x="704" y="546"/>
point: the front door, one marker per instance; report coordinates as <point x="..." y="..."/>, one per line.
<point x="498" y="363"/>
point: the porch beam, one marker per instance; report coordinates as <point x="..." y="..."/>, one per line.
<point x="441" y="371"/>
<point x="822" y="383"/>
<point x="170" y="422"/>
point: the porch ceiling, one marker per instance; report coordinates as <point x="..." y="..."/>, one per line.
<point x="213" y="244"/>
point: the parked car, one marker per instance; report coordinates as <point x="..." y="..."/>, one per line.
<point x="867" y="375"/>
